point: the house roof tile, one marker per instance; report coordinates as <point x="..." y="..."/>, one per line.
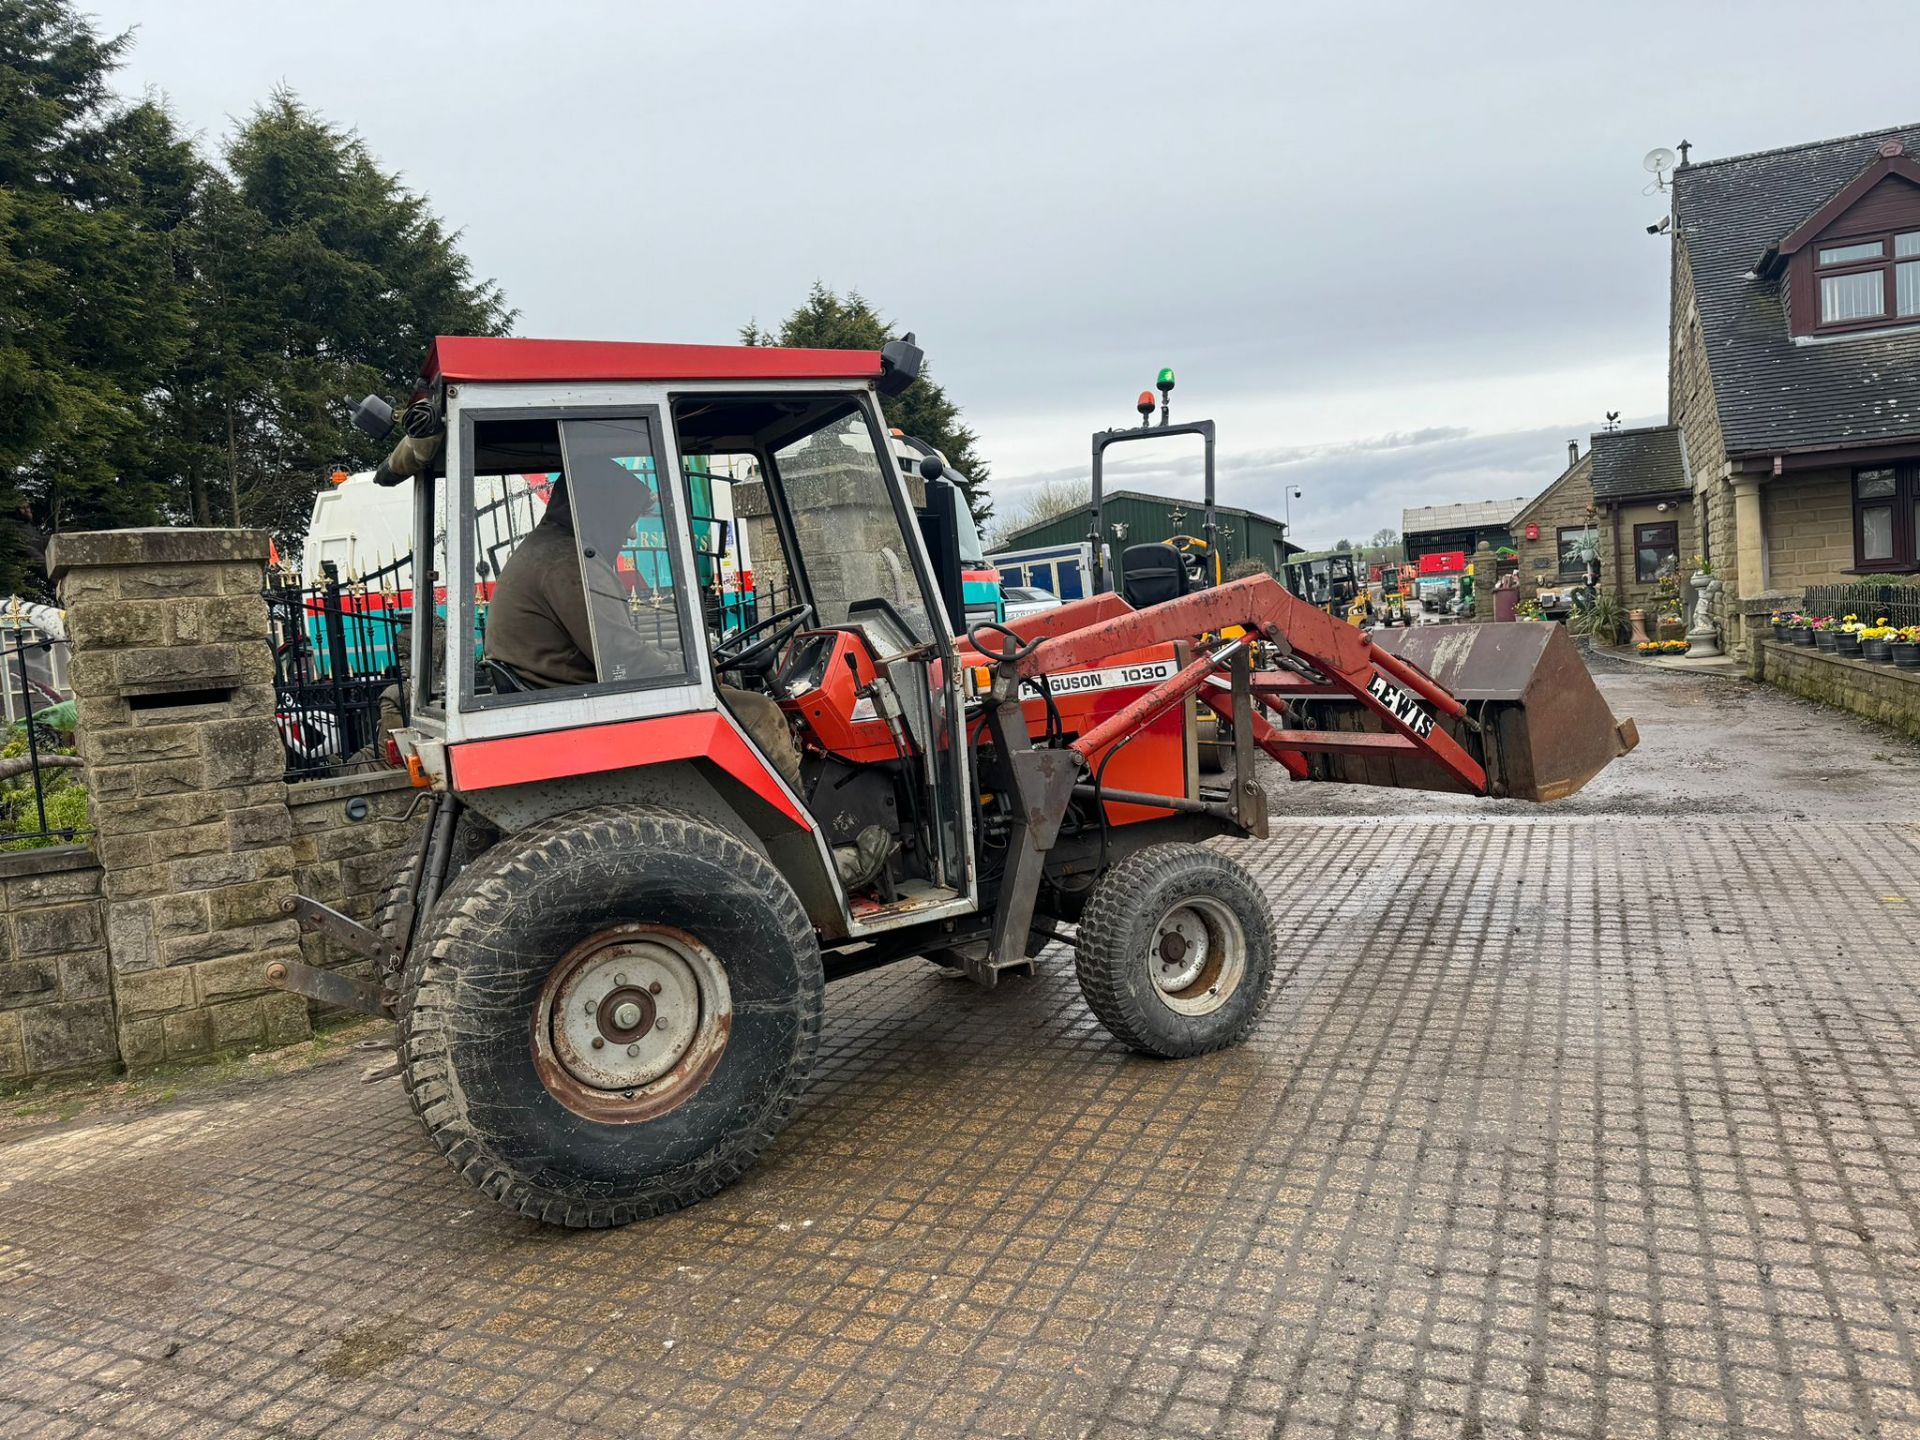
<point x="1774" y="393"/>
<point x="1638" y="462"/>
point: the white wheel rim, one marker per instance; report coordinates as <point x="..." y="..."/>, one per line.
<point x="1197" y="956"/>
<point x="631" y="1022"/>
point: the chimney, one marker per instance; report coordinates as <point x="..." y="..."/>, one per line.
<point x="1573" y="453"/>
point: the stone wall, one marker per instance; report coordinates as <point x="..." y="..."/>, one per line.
<point x="173" y="682"/>
<point x="1808" y="519"/>
<point x="350" y="837"/>
<point x="1878" y="692"/>
<point x="1565" y="504"/>
<point x="56" y="1008"/>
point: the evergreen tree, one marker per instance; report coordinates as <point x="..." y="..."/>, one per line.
<point x="829" y="322"/>
<point x="94" y="199"/>
<point x="319" y="277"/>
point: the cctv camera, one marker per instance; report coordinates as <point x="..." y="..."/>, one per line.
<point x="1660" y="226"/>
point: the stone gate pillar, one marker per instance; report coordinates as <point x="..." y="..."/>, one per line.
<point x="173" y="683"/>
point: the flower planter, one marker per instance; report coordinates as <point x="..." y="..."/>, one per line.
<point x="1878" y="651"/>
<point x="1779" y="632"/>
<point x="1847" y="643"/>
<point x="1800" y="635"/>
<point x="1906" y="654"/>
<point x="1823" y="640"/>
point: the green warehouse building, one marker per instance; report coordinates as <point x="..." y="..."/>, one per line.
<point x="1133" y="517"/>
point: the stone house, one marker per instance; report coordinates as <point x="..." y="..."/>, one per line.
<point x="1641" y="490"/>
<point x="1549" y="528"/>
<point x="1630" y="491"/>
<point x="1794" y="363"/>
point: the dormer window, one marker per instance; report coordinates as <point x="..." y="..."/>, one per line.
<point x="1868" y="280"/>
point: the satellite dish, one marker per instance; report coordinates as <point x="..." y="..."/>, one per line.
<point x="1658" y="160"/>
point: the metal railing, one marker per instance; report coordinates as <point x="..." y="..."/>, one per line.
<point x="1898" y="602"/>
<point x="43" y="795"/>
<point x="338" y="654"/>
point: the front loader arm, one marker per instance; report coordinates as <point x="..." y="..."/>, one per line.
<point x="1397" y="693"/>
<point x="1356" y="711"/>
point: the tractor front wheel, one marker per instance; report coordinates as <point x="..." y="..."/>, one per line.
<point x="1176" y="951"/>
<point x="617" y="1011"/>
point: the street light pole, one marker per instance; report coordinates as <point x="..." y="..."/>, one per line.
<point x="1292" y="491"/>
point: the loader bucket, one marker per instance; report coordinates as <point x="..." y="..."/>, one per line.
<point x="1544" y="729"/>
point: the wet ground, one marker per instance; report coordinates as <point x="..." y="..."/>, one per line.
<point x="1708" y="746"/>
<point x="1599" y="1120"/>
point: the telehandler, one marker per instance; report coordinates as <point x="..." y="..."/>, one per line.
<point x="607" y="959"/>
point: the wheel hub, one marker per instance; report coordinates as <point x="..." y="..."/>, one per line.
<point x="1197" y="956"/>
<point x="631" y="1021"/>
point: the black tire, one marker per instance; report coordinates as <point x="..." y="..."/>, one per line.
<point x="1178" y="891"/>
<point x="397" y="918"/>
<point x="483" y="1044"/>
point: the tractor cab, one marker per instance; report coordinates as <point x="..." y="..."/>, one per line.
<point x="691" y="576"/>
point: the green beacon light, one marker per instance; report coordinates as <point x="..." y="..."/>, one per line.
<point x="1165" y="382"/>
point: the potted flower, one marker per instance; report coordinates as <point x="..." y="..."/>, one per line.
<point x="1825" y="629"/>
<point x="1846" y="639"/>
<point x="1650" y="647"/>
<point x="1675" y="647"/>
<point x="1780" y="618"/>
<point x="1906" y="647"/>
<point x="1800" y="632"/>
<point x="1876" y="642"/>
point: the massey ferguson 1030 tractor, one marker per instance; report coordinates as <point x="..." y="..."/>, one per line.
<point x="662" y="819"/>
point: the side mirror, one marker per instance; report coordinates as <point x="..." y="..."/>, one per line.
<point x="931" y="468"/>
<point x="373" y="417"/>
<point x="900" y="363"/>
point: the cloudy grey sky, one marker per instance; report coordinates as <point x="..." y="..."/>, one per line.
<point x="1397" y="250"/>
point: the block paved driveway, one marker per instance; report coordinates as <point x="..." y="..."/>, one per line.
<point x="1596" y="1123"/>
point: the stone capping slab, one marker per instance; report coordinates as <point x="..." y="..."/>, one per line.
<point x="51" y="860"/>
<point x="155" y="545"/>
<point x="345" y="787"/>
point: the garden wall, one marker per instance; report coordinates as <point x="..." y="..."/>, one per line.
<point x="56" y="1012"/>
<point x="1877" y="692"/>
<point x="351" y="834"/>
<point x="152" y="943"/>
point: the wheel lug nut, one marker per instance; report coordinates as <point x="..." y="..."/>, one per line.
<point x="654" y="988"/>
<point x="633" y="1049"/>
<point x="591" y="1006"/>
<point x="619" y="979"/>
<point x="598" y="1042"/>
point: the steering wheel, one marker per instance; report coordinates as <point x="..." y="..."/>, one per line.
<point x="774" y="631"/>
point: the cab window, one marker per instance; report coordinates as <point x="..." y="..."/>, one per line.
<point x="576" y="580"/>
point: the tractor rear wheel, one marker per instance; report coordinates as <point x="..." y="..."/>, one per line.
<point x="617" y="1011"/>
<point x="1176" y="951"/>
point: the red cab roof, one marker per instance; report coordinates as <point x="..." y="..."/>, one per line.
<point x="481" y="358"/>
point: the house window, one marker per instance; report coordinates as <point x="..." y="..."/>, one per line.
<point x="1654" y="546"/>
<point x="1573" y="543"/>
<point x="1886" y="518"/>
<point x="1869" y="279"/>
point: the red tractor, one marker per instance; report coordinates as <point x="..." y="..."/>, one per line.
<point x="608" y="959"/>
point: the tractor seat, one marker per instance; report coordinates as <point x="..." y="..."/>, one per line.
<point x="503" y="677"/>
<point x="1152" y="575"/>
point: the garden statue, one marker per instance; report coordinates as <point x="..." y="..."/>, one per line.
<point x="1703" y="639"/>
